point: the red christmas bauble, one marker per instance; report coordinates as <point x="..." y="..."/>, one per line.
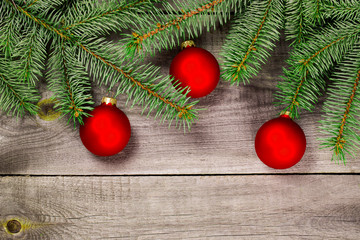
<point x="197" y="69"/>
<point x="107" y="131"/>
<point x="280" y="143"/>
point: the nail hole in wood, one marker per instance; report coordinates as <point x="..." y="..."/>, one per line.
<point x="13" y="226"/>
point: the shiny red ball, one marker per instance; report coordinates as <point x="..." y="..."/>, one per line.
<point x="195" y="68"/>
<point x="280" y="143"/>
<point x="107" y="131"/>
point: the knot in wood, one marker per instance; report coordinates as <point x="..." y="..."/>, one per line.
<point x="13" y="226"/>
<point x="47" y="110"/>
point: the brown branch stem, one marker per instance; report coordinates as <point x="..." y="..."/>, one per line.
<point x="12" y="89"/>
<point x="177" y="21"/>
<point x="339" y="140"/>
<point x="182" y="110"/>
<point x="252" y="45"/>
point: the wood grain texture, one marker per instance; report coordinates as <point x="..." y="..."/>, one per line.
<point x="178" y="207"/>
<point x="231" y="202"/>
<point x="221" y="141"/>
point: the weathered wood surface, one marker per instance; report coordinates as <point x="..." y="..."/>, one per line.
<point x="221" y="141"/>
<point x="183" y="207"/>
<point x="248" y="204"/>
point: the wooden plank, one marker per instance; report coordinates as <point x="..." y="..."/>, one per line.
<point x="191" y="207"/>
<point x="221" y="141"/>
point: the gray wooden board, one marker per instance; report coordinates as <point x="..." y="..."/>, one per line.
<point x="221" y="141"/>
<point x="183" y="207"/>
<point x="173" y="204"/>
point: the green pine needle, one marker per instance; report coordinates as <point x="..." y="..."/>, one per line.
<point x="179" y="21"/>
<point x="342" y="107"/>
<point x="69" y="82"/>
<point x="309" y="64"/>
<point x="298" y="27"/>
<point x="16" y="98"/>
<point x="74" y="55"/>
<point x="342" y="10"/>
<point x="251" y="39"/>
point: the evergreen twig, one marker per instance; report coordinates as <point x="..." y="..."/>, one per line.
<point x="342" y="108"/>
<point x="250" y="40"/>
<point x="309" y="64"/>
<point x="168" y="29"/>
<point x="16" y="98"/>
<point x="171" y="106"/>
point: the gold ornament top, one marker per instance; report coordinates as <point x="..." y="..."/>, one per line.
<point x="46" y="110"/>
<point x="287" y="113"/>
<point x="188" y="43"/>
<point x="108" y="100"/>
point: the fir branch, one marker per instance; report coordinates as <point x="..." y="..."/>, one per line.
<point x="248" y="44"/>
<point x="70" y="83"/>
<point x="43" y="23"/>
<point x="45" y="9"/>
<point x="102" y="18"/>
<point x="175" y="22"/>
<point x="184" y="112"/>
<point x="341" y="122"/>
<point x="31" y="52"/>
<point x="310" y="61"/>
<point x="171" y="105"/>
<point x="31" y="3"/>
<point x="167" y="31"/>
<point x="342" y="10"/>
<point x="313" y="12"/>
<point x="297" y="27"/>
<point x="16" y="98"/>
<point x="8" y="32"/>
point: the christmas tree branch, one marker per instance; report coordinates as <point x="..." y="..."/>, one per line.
<point x="176" y="22"/>
<point x="313" y="12"/>
<point x="167" y="31"/>
<point x="70" y="83"/>
<point x="103" y="14"/>
<point x="342" y="10"/>
<point x="32" y="3"/>
<point x="342" y="109"/>
<point x="297" y="27"/>
<point x="181" y="109"/>
<point x="306" y="62"/>
<point x="294" y="101"/>
<point x="153" y="95"/>
<point x="16" y="97"/>
<point x="31" y="52"/>
<point x="97" y="19"/>
<point x="43" y="23"/>
<point x="297" y="90"/>
<point x="340" y="138"/>
<point x="248" y="44"/>
<point x="8" y="33"/>
<point x="313" y="60"/>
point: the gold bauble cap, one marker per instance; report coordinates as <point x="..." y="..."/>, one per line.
<point x="188" y="43"/>
<point x="108" y="100"/>
<point x="286" y="114"/>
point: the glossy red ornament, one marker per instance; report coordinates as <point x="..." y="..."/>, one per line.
<point x="107" y="131"/>
<point x="195" y="68"/>
<point x="280" y="143"/>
